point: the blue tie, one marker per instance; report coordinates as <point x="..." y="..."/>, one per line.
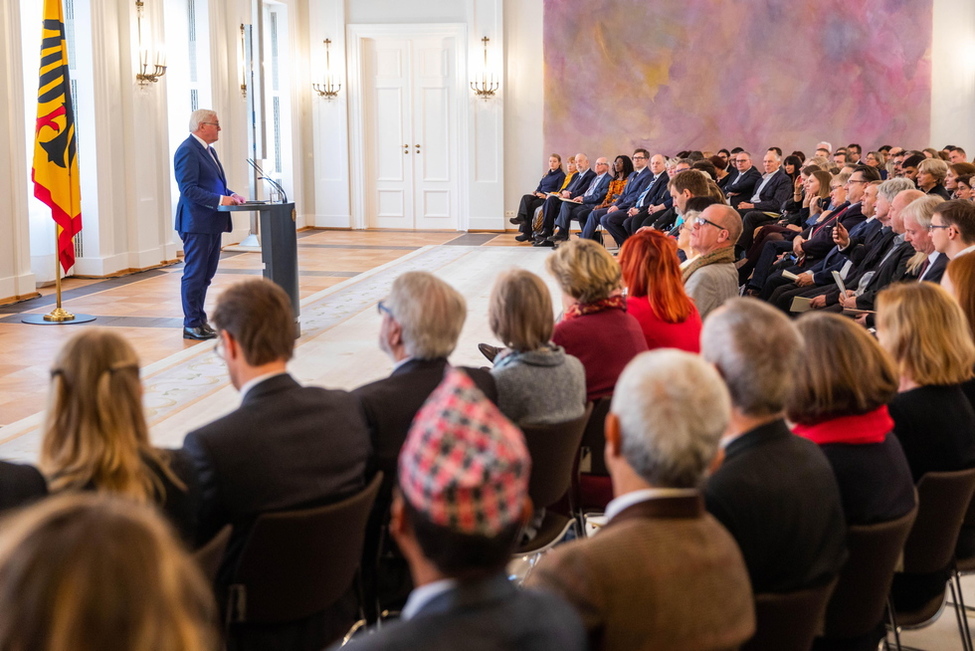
<point x="592" y="186"/>
<point x="639" y="202"/>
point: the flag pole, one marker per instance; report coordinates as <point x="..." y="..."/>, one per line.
<point x="58" y="314"/>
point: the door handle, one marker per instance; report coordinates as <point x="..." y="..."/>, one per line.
<point x="417" y="148"/>
<point x="406" y="149"/>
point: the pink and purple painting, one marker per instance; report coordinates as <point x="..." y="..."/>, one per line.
<point x="704" y="74"/>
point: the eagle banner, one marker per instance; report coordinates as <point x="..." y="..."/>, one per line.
<point x="55" y="170"/>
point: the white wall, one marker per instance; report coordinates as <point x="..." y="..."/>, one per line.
<point x="953" y="75"/>
<point x="16" y="279"/>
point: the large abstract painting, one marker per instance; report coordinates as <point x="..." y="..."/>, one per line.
<point x="705" y="74"/>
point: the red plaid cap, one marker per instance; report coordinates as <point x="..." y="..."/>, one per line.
<point x="464" y="465"/>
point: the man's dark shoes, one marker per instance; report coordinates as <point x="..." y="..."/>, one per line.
<point x="198" y="332"/>
<point x="517" y="220"/>
<point x="560" y="236"/>
<point x="546" y="242"/>
<point x="524" y="237"/>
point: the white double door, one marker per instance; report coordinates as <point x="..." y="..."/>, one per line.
<point x="410" y="131"/>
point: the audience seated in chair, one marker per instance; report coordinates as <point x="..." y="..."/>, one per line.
<point x="926" y="333"/>
<point x="710" y="277"/>
<point x="95" y="433"/>
<point x="462" y="500"/>
<point x="595" y="327"/>
<point x="537" y="382"/>
<point x="421" y="320"/>
<point x="285" y="447"/>
<point x="551" y="182"/>
<point x="579" y="207"/>
<point x="100" y="571"/>
<point x="775" y="492"/>
<point x="662" y="573"/>
<point x="655" y="292"/>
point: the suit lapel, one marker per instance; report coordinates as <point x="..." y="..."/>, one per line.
<point x="212" y="160"/>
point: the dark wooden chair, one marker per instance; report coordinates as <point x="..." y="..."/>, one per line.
<point x="553" y="450"/>
<point x="856" y="609"/>
<point x="789" y="621"/>
<point x="297" y="563"/>
<point x="943" y="500"/>
<point x="208" y="556"/>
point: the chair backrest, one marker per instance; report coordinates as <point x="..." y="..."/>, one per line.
<point x="593" y="437"/>
<point x="789" y="621"/>
<point x="208" y="556"/>
<point x="943" y="499"/>
<point x="553" y="450"/>
<point x="860" y="596"/>
<point x="297" y="563"/>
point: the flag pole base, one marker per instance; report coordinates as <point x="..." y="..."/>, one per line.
<point x="57" y="317"/>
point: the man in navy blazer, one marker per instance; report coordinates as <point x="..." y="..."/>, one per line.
<point x="578" y="187"/>
<point x="202" y="187"/>
<point x="636" y="184"/>
<point x="580" y="207"/>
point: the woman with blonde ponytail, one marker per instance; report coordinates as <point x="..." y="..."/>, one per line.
<point x="95" y="433"/>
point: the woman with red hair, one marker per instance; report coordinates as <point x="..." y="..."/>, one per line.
<point x="655" y="292"/>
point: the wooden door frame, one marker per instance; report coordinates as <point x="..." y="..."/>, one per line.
<point x="356" y="34"/>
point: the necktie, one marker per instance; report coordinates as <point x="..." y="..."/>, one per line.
<point x="639" y="202"/>
<point x="592" y="186"/>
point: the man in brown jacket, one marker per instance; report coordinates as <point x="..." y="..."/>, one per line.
<point x="662" y="573"/>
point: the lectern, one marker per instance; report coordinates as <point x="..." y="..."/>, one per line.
<point x="279" y="247"/>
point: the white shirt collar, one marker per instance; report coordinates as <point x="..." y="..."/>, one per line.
<point x="401" y="362"/>
<point x="201" y="141"/>
<point x="966" y="250"/>
<point x="421" y="596"/>
<point x="255" y="381"/>
<point x="626" y="500"/>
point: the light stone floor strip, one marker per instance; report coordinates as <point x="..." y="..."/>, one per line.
<point x="338" y="347"/>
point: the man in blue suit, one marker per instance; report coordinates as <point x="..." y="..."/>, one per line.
<point x="202" y="187"/>
<point x="580" y="206"/>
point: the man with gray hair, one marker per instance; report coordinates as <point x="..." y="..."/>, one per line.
<point x="202" y="188"/>
<point x="662" y="573"/>
<point x="775" y="492"/>
<point x="421" y="320"/>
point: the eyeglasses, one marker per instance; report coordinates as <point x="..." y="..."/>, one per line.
<point x="602" y="163"/>
<point x="701" y="221"/>
<point x="216" y="124"/>
<point x="381" y="308"/>
<point x="849" y="181"/>
<point x="931" y="227"/>
<point x="218" y="348"/>
<point x="639" y="158"/>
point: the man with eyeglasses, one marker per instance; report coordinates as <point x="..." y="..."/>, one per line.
<point x="743" y="185"/>
<point x="202" y="187"/>
<point x="636" y="184"/>
<point x="421" y="319"/>
<point x="952" y="228"/>
<point x="710" y="278"/>
<point x="580" y="206"/>
<point x="765" y="204"/>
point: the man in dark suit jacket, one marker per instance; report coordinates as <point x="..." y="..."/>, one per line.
<point x="422" y="319"/>
<point x="202" y="187"/>
<point x="578" y="187"/>
<point x="636" y="184"/>
<point x="654" y="194"/>
<point x="765" y="204"/>
<point x="461" y="505"/>
<point x="775" y="492"/>
<point x="659" y="552"/>
<point x="286" y="447"/>
<point x="743" y="185"/>
<point x="580" y="206"/>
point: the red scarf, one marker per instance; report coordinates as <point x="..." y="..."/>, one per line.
<point x="862" y="429"/>
<point x="615" y="302"/>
